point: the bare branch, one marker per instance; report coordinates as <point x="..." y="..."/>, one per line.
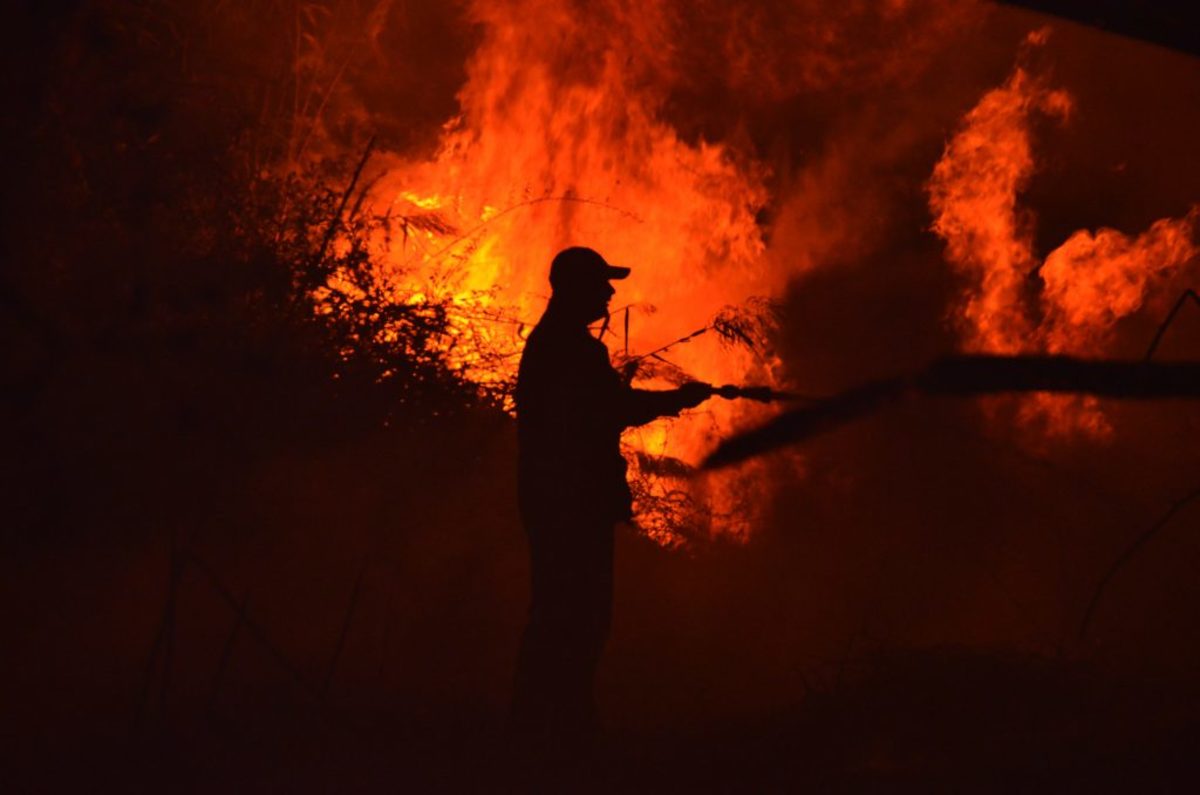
<point x="1162" y="329"/>
<point x="1128" y="554"/>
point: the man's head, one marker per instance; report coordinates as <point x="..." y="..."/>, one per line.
<point x="580" y="278"/>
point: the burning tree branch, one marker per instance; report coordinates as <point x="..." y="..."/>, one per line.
<point x="667" y="508"/>
<point x="748" y="326"/>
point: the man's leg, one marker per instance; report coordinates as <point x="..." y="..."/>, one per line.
<point x="534" y="686"/>
<point x="569" y="620"/>
<point x="592" y="593"/>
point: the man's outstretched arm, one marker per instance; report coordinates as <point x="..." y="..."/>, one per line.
<point x="640" y="406"/>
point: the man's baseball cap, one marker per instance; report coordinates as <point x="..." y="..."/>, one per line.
<point x="579" y="265"/>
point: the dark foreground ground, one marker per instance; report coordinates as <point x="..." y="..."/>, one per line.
<point x="946" y="721"/>
<point x="343" y="625"/>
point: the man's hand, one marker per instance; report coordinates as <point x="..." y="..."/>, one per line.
<point x="693" y="393"/>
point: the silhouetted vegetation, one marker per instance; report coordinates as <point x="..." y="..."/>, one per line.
<point x="166" y="309"/>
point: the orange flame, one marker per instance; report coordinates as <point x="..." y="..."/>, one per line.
<point x="541" y="158"/>
<point x="1094" y="280"/>
<point x="1086" y="285"/>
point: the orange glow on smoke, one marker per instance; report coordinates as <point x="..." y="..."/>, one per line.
<point x="1087" y="284"/>
<point x="541" y="158"/>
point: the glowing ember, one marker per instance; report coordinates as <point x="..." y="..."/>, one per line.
<point x="1086" y="285"/>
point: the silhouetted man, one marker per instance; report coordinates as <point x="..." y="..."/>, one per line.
<point x="571" y="409"/>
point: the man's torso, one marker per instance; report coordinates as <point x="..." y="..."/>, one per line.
<point x="570" y="465"/>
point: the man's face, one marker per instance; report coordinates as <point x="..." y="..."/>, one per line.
<point x="585" y="301"/>
<point x="595" y="299"/>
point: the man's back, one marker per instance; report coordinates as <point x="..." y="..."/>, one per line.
<point x="569" y="422"/>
